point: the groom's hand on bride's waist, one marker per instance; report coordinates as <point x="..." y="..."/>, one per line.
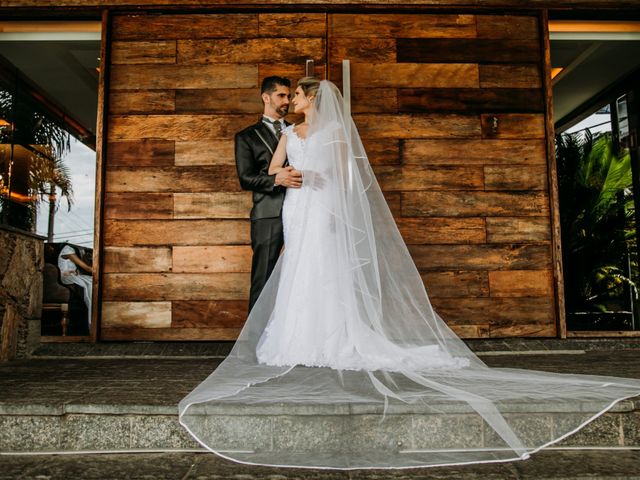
<point x="289" y="177"/>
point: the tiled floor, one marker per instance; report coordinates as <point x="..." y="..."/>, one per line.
<point x="547" y="465"/>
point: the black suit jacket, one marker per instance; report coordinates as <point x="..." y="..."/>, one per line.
<point x="254" y="147"/>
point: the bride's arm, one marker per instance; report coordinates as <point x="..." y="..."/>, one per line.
<point x="279" y="156"/>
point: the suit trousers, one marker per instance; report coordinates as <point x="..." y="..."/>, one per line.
<point x="266" y="241"/>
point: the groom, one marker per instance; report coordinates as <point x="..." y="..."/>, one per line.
<point x="254" y="147"/>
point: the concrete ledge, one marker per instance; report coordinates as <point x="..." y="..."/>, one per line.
<point x="92" y="427"/>
<point x="92" y="432"/>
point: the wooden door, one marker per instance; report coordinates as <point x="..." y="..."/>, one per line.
<point x="176" y="228"/>
<point x="452" y="113"/>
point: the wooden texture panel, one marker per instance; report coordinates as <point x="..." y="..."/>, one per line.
<point x="456" y="284"/>
<point x="209" y="313"/>
<point x="141" y="153"/>
<point x="382" y="151"/>
<point x="471" y="204"/>
<point x="522" y="283"/>
<point x="286" y="24"/>
<point x="470" y="100"/>
<point x="464" y="50"/>
<point x="217" y="259"/>
<point x="386" y="100"/>
<point x="415" y="75"/>
<point x="510" y="76"/>
<point x="131" y="233"/>
<point x="251" y="51"/>
<point x="145" y="101"/>
<point x="167" y="334"/>
<point x="188" y="26"/>
<point x="137" y="260"/>
<point x="515" y="177"/>
<point x="136" y="314"/>
<point x="507" y="27"/>
<point x="205" y="152"/>
<point x="220" y="178"/>
<point x="402" y="25"/>
<point x="470" y="331"/>
<point x="162" y="76"/>
<point x="512" y="125"/>
<point x="176" y="286"/>
<point x="219" y="100"/>
<point x="176" y="127"/>
<point x="373" y="50"/>
<point x="481" y="257"/>
<point x="143" y="52"/>
<point x="138" y="205"/>
<point x="429" y="178"/>
<point x="540" y="329"/>
<point x="212" y="205"/>
<point x="496" y="311"/>
<point x="471" y="151"/>
<point x="423" y="126"/>
<point x="444" y="230"/>
<point x="518" y="229"/>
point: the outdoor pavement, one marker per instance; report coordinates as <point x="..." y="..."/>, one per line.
<point x="546" y="465"/>
<point x="161" y="374"/>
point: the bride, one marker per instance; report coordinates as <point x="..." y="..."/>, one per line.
<point x="342" y="361"/>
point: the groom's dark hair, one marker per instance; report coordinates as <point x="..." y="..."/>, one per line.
<point x="269" y="84"/>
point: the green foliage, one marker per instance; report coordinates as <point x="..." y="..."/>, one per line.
<point x="47" y="142"/>
<point x="598" y="223"/>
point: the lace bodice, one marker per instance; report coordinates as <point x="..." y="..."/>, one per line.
<point x="295" y="155"/>
<point x="295" y="147"/>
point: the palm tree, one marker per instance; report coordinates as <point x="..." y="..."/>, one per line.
<point x="597" y="220"/>
<point x="46" y="174"/>
<point x="47" y="142"/>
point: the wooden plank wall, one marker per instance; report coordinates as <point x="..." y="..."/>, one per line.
<point x="451" y="111"/>
<point x="176" y="233"/>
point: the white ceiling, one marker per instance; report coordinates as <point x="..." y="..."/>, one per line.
<point x="595" y="62"/>
<point x="63" y="69"/>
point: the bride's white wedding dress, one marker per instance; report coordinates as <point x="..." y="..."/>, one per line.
<point x="343" y="342"/>
<point x="308" y="326"/>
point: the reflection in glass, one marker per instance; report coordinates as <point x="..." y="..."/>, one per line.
<point x="599" y="240"/>
<point x="48" y="106"/>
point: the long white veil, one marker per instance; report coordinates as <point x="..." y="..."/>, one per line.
<point x="399" y="388"/>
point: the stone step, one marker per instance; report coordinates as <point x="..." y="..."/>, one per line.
<point x="222" y="348"/>
<point x="73" y="427"/>
<point x="124" y="404"/>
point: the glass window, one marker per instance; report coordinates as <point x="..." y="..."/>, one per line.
<point x="49" y="75"/>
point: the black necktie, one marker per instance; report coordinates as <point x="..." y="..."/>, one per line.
<point x="277" y="125"/>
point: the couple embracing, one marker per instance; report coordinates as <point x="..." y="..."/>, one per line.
<point x="341" y="337"/>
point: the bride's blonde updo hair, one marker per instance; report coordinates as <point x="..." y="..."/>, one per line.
<point x="309" y="85"/>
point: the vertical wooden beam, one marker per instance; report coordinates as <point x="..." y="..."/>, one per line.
<point x="554" y="198"/>
<point x="101" y="135"/>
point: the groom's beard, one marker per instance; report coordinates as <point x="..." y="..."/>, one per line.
<point x="282" y="111"/>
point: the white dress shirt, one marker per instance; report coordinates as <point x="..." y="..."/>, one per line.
<point x="270" y="125"/>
